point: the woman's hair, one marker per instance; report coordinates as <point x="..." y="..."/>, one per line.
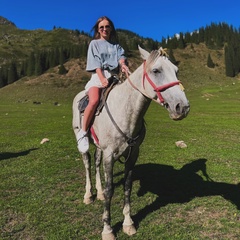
<point x="113" y="35"/>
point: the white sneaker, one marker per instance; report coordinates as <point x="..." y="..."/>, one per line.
<point x="82" y="141"/>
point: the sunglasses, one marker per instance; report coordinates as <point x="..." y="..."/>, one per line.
<point x="106" y="27"/>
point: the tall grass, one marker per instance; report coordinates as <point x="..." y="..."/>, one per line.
<point x="189" y="193"/>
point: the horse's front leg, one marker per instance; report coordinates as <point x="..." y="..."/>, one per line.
<point x="88" y="197"/>
<point x="107" y="233"/>
<point x="98" y="156"/>
<point x="128" y="224"/>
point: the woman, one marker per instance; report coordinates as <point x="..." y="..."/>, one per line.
<point x="104" y="56"/>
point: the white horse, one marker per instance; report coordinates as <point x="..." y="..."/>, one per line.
<point x="120" y="128"/>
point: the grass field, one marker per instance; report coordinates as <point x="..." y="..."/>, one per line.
<point x="190" y="193"/>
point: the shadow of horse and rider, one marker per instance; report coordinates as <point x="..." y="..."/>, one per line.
<point x="179" y="186"/>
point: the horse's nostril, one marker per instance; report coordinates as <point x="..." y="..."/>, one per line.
<point x="186" y="109"/>
<point x="178" y="108"/>
<point x="166" y="105"/>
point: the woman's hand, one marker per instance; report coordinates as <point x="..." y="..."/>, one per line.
<point x="104" y="82"/>
<point x="124" y="68"/>
<point x="102" y="78"/>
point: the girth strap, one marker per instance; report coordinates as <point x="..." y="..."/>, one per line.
<point x="131" y="141"/>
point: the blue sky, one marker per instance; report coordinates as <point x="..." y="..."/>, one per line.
<point x="148" y="18"/>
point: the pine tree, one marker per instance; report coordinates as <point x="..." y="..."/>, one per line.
<point x="210" y="63"/>
<point x="201" y="36"/>
<point x="38" y="67"/>
<point x="39" y="64"/>
<point x="1" y="78"/>
<point x="181" y="42"/>
<point x="12" y="73"/>
<point x="31" y="65"/>
<point x="229" y="63"/>
<point x="171" y="57"/>
<point x="134" y="44"/>
<point x="4" y="74"/>
<point x="187" y="37"/>
<point x="172" y="43"/>
<point x="62" y="57"/>
<point x="164" y="43"/>
<point x="54" y="58"/>
<point x="22" y="71"/>
<point x="62" y="70"/>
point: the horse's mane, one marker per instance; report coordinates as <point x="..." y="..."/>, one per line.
<point x="154" y="55"/>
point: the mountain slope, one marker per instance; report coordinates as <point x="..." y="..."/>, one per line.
<point x="17" y="43"/>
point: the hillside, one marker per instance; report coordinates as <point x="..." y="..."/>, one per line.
<point x="18" y="44"/>
<point x="50" y="86"/>
<point x="6" y="22"/>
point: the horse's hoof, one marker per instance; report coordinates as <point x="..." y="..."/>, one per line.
<point x="108" y="236"/>
<point x="100" y="196"/>
<point x="129" y="229"/>
<point x="88" y="200"/>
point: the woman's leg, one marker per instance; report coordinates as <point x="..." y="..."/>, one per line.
<point x="82" y="138"/>
<point x="94" y="96"/>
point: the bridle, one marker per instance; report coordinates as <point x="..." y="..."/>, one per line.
<point x="158" y="90"/>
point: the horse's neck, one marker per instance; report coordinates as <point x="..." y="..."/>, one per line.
<point x="139" y="100"/>
<point x="134" y="103"/>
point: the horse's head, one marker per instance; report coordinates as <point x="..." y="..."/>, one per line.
<point x="160" y="82"/>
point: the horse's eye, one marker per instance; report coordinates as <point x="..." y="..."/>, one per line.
<point x="155" y="70"/>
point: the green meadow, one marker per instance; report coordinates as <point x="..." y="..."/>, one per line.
<point x="178" y="193"/>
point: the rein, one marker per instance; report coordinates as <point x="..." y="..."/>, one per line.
<point x="130" y="141"/>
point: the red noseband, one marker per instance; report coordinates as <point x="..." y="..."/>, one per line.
<point x="160" y="89"/>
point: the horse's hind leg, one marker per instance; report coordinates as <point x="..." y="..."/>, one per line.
<point x="88" y="197"/>
<point x="128" y="224"/>
<point x="98" y="157"/>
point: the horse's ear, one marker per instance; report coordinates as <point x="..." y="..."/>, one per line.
<point x="144" y="54"/>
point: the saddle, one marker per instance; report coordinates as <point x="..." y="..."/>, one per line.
<point x="82" y="104"/>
